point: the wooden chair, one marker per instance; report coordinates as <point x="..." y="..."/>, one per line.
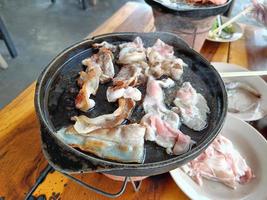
<point x="3" y="63"/>
<point x="4" y="35"/>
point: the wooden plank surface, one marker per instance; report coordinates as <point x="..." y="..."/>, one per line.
<point x="21" y="159"/>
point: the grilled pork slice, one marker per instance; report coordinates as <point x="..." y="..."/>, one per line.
<point x="113" y="93"/>
<point x="127" y="76"/>
<point x="125" y="82"/>
<point x="85" y="125"/>
<point x="132" y="52"/>
<point x="99" y="69"/>
<point x="162" y="61"/>
<point x="192" y="107"/>
<point x="104" y="60"/>
<point x="162" y="124"/>
<point x="220" y="162"/>
<point x="89" y="82"/>
<point x="106" y="45"/>
<point x="123" y="143"/>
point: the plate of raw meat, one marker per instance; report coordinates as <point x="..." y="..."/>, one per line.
<point x="232" y="167"/>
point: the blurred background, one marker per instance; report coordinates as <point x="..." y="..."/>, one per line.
<point x="41" y="29"/>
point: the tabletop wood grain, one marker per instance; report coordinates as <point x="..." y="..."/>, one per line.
<point x="21" y="158"/>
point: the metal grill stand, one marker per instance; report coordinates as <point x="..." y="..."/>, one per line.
<point x="136" y="184"/>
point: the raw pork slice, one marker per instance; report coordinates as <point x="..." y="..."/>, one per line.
<point x="192" y="107"/>
<point x="220" y="162"/>
<point x="163" y="62"/>
<point x="162" y="124"/>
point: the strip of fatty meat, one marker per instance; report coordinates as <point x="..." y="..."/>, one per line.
<point x="106" y="45"/>
<point x="84" y="125"/>
<point x="89" y="82"/>
<point x="162" y="61"/>
<point x="99" y="69"/>
<point x="162" y="124"/>
<point x="131" y="75"/>
<point x="104" y="60"/>
<point x="192" y="107"/>
<point x="124" y="143"/>
<point x="220" y="162"/>
<point x="113" y="94"/>
<point x="125" y="82"/>
<point x="132" y="52"/>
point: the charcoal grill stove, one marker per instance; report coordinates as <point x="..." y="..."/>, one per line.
<point x="53" y="89"/>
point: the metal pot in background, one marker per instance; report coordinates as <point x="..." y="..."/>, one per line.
<point x="190" y="22"/>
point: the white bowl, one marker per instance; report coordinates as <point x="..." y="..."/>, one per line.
<point x="254" y="81"/>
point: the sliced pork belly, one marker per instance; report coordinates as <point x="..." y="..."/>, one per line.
<point x="104" y="60"/>
<point x="99" y="69"/>
<point x="163" y="62"/>
<point x="154" y="96"/>
<point x="123" y="143"/>
<point x="106" y="45"/>
<point x="113" y="94"/>
<point x="125" y="82"/>
<point x="89" y="82"/>
<point x="161" y="132"/>
<point x="154" y="104"/>
<point x="166" y="83"/>
<point x="132" y="52"/>
<point x="161" y="123"/>
<point x="220" y="162"/>
<point x="127" y="76"/>
<point x="85" y="125"/>
<point x="192" y="107"/>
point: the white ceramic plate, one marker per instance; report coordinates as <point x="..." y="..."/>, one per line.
<point x="253" y="147"/>
<point x="236" y="35"/>
<point x="254" y="81"/>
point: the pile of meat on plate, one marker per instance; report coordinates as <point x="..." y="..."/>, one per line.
<point x="106" y="136"/>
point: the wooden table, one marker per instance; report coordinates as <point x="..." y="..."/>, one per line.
<point x="21" y="158"/>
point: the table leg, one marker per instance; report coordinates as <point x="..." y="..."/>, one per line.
<point x="3" y="63"/>
<point x="83" y="4"/>
<point x="4" y="34"/>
